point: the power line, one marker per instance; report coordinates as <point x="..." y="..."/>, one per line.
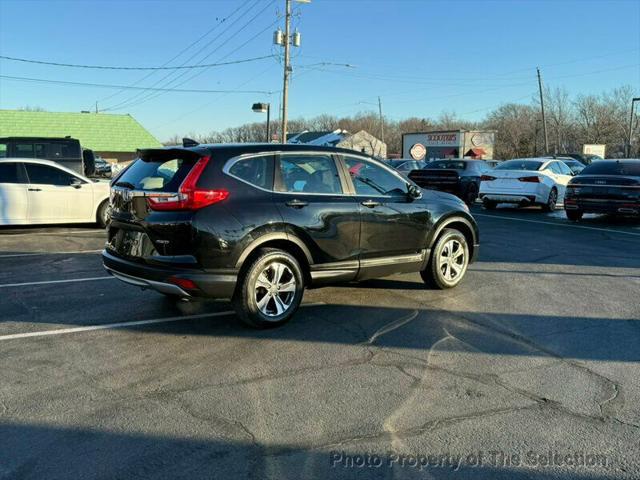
<point x="103" y="67"/>
<point x="208" y="32"/>
<point x="172" y="82"/>
<point x="130" y="87"/>
<point x="142" y="98"/>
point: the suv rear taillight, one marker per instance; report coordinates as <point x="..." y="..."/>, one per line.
<point x="189" y="196"/>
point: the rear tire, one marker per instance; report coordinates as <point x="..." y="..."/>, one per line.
<point x="471" y="194"/>
<point x="448" y="262"/>
<point x="102" y="216"/>
<point x="574" y="215"/>
<point x="552" y="201"/>
<point x="269" y="290"/>
<point x="489" y="204"/>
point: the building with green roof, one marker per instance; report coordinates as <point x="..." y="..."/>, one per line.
<point x="114" y="137"/>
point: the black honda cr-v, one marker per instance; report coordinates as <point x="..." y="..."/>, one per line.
<point x="258" y="223"/>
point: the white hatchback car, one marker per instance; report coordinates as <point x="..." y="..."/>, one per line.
<point x="526" y="181"/>
<point x="34" y="191"/>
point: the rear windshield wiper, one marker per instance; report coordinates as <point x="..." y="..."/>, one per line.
<point x="128" y="185"/>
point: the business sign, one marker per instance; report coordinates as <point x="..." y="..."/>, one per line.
<point x="418" y="151"/>
<point x="451" y="139"/>
<point x="590" y="149"/>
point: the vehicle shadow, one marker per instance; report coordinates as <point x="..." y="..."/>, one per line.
<point x="40" y="451"/>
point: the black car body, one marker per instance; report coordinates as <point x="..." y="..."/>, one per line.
<point x="102" y="167"/>
<point x="584" y="158"/>
<point x="458" y="177"/>
<point x="606" y="186"/>
<point x="192" y="222"/>
<point x="65" y="150"/>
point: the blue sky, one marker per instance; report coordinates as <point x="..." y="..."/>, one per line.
<point x="421" y="57"/>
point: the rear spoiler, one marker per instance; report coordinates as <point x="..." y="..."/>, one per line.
<point x="167" y="153"/>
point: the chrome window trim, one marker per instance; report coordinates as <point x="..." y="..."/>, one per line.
<point x="244" y="156"/>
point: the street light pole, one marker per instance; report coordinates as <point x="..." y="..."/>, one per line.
<point x="381" y="120"/>
<point x="633" y="101"/>
<point x="261" y="108"/>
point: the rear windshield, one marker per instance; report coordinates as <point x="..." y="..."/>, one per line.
<point x="613" y="168"/>
<point x="156" y="174"/>
<point x="520" y="165"/>
<point x="448" y="164"/>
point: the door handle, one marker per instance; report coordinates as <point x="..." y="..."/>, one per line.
<point x="35" y="189"/>
<point x="370" y="203"/>
<point x="296" y="203"/>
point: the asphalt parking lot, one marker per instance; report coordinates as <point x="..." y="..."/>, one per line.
<point x="532" y="364"/>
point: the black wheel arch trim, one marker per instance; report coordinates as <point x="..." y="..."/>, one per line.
<point x="455" y="217"/>
<point x="270" y="237"/>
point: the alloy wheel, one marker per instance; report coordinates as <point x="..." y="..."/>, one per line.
<point x="275" y="289"/>
<point x="452" y="261"/>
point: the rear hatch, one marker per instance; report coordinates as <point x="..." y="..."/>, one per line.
<point x="152" y="205"/>
<point x="436" y="179"/>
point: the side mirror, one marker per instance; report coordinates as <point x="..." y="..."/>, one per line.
<point x="76" y="182"/>
<point x="413" y="192"/>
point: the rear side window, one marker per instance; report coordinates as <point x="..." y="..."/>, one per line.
<point x="24" y="150"/>
<point x="10" y="173"/>
<point x="309" y="174"/>
<point x="604" y="167"/>
<point x="3" y="150"/>
<point x="257" y="171"/>
<point x="157" y="174"/>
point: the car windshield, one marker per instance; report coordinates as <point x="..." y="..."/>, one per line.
<point x="520" y="165"/>
<point x="448" y="164"/>
<point x="613" y="168"/>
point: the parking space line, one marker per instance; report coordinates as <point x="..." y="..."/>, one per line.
<point x="584" y="227"/>
<point x="107" y="326"/>
<point x="35" y="254"/>
<point x="47" y="282"/>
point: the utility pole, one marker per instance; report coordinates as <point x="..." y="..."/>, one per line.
<point x="96" y="106"/>
<point x="381" y="120"/>
<point x="633" y="101"/>
<point x="287" y="68"/>
<point x="544" y="119"/>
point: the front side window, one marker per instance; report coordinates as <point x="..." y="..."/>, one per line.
<point x="46" y="175"/>
<point x="3" y="150"/>
<point x="371" y="179"/>
<point x="308" y="174"/>
<point x="256" y="171"/>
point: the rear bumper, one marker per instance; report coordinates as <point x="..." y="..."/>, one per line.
<point x="212" y="284"/>
<point x="616" y="207"/>
<point x="512" y="197"/>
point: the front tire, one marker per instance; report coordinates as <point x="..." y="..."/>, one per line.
<point x="449" y="261"/>
<point x="471" y="194"/>
<point x="574" y="215"/>
<point x="269" y="290"/>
